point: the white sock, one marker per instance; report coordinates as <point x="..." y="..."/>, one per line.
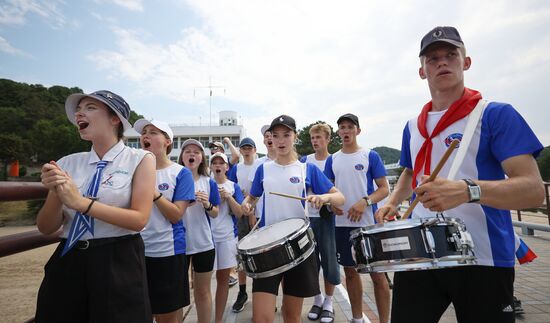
<point x="327" y="304"/>
<point x="318" y="300"/>
<point x="358" y="320"/>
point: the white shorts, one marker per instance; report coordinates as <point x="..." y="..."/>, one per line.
<point x="226" y="254"/>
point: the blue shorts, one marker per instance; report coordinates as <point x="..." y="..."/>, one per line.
<point x="323" y="230"/>
<point x="343" y="246"/>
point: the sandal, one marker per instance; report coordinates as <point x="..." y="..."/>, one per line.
<point x="327" y="316"/>
<point x="314" y="313"/>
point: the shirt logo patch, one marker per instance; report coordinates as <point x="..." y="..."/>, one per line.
<point x="359" y="167"/>
<point x="294" y="180"/>
<point x="163" y="186"/>
<point x="452" y="137"/>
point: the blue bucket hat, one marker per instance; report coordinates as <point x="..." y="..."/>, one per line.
<point x="247" y="142"/>
<point x="112" y="100"/>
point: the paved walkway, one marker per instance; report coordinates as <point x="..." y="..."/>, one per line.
<point x="532" y="287"/>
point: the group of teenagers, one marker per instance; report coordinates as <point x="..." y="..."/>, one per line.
<point x="133" y="222"/>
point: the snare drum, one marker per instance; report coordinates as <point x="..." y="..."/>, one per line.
<point x="276" y="248"/>
<point x="414" y="244"/>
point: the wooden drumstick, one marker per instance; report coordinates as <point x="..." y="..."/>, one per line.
<point x="293" y="197"/>
<point x="433" y="175"/>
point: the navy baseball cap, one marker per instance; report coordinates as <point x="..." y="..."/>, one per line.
<point x="444" y="34"/>
<point x="110" y="99"/>
<point x="349" y="116"/>
<point x="247" y="142"/>
<point x="283" y="120"/>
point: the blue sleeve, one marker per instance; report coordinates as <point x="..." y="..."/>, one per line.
<point x="257" y="188"/>
<point x="376" y="165"/>
<point x="185" y="186"/>
<point x="214" y="193"/>
<point x="303" y="159"/>
<point x="328" y="168"/>
<point x="232" y="174"/>
<point x="316" y="180"/>
<point x="510" y="134"/>
<point x="405" y="159"/>
<point x="238" y="195"/>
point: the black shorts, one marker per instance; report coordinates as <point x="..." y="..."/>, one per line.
<point x="478" y="293"/>
<point x="300" y="281"/>
<point x="202" y="262"/>
<point x="103" y="283"/>
<point x="243" y="228"/>
<point x="168" y="283"/>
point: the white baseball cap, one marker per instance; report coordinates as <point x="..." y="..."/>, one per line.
<point x="218" y="154"/>
<point x="140" y="124"/>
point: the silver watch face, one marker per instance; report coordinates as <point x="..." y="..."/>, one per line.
<point x="475" y="193"/>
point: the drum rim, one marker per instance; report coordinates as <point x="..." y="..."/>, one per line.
<point x="284" y="267"/>
<point x="400" y="265"/>
<point x="404" y="224"/>
<point x="276" y="243"/>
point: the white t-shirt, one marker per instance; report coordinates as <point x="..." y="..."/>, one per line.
<point x="240" y="174"/>
<point x="161" y="237"/>
<point x="314" y="212"/>
<point x="287" y="179"/>
<point x="115" y="185"/>
<point x="354" y="176"/>
<point x="224" y="226"/>
<point x="197" y="222"/>
<point x="260" y="202"/>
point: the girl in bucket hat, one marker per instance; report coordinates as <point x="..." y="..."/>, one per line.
<point x="101" y="199"/>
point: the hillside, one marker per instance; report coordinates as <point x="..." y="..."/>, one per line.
<point x="388" y="155"/>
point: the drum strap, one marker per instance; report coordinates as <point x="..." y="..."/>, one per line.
<point x="473" y="120"/>
<point x="304" y="171"/>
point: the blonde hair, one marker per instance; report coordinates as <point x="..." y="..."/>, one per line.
<point x="321" y="127"/>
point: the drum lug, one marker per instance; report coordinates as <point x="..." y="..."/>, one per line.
<point x="251" y="264"/>
<point x="429" y="241"/>
<point x="365" y="247"/>
<point x="289" y="251"/>
<point x="463" y="240"/>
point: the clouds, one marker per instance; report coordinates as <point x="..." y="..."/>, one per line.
<point x="314" y="60"/>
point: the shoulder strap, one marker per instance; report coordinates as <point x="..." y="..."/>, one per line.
<point x="473" y="121"/>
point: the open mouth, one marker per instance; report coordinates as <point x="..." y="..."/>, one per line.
<point x="218" y="171"/>
<point x="269" y="143"/>
<point x="82" y="125"/>
<point x="191" y="160"/>
<point x="146" y="144"/>
<point x="346" y="137"/>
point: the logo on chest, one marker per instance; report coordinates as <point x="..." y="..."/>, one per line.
<point x="452" y="137"/>
<point x="163" y="186"/>
<point x="294" y="180"/>
<point x="359" y="167"/>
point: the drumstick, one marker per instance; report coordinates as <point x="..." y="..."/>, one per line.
<point x="433" y="175"/>
<point x="293" y="197"/>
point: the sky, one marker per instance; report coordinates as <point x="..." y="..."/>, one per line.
<point x="311" y="59"/>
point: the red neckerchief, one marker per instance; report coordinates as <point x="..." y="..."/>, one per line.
<point x="458" y="110"/>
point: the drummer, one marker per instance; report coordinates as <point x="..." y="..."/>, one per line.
<point x="355" y="170"/>
<point x="286" y="175"/>
<point x="502" y="144"/>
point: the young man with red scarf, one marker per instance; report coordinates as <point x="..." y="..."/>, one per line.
<point x="499" y="173"/>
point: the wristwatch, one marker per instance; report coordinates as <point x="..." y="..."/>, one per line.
<point x="474" y="191"/>
<point x="369" y="202"/>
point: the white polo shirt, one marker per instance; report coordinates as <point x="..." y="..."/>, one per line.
<point x="115" y="186"/>
<point x="161" y="237"/>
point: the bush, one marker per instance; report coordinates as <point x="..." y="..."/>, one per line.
<point x="22" y="170"/>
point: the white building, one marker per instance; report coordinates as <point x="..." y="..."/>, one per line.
<point x="228" y="127"/>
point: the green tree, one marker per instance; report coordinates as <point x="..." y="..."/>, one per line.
<point x="13" y="148"/>
<point x="303" y="145"/>
<point x="544" y="164"/>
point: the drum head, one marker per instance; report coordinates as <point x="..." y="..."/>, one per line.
<point x="271" y="233"/>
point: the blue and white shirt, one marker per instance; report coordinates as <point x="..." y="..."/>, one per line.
<point x="287" y="179"/>
<point x="240" y="174"/>
<point x="314" y="212"/>
<point x="115" y="185"/>
<point x="161" y="237"/>
<point x="197" y="221"/>
<point x="224" y="226"/>
<point x="501" y="134"/>
<point x="353" y="175"/>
